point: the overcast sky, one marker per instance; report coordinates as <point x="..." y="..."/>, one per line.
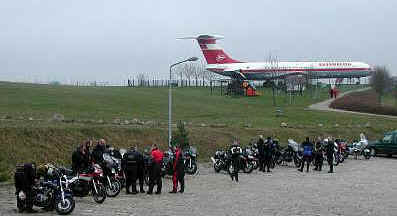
<point x="111" y="40"/>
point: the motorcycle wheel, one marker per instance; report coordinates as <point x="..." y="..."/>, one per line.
<point x="217" y="166"/>
<point x="297" y="162"/>
<point x="336" y="159"/>
<point x="64" y="208"/>
<point x="255" y="165"/>
<point x="101" y="195"/>
<point x="367" y="155"/>
<point x="341" y="159"/>
<point x="21" y="205"/>
<point x="114" y="189"/>
<point x="248" y="168"/>
<point x="191" y="170"/>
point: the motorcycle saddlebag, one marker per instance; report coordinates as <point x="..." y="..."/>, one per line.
<point x="24" y="176"/>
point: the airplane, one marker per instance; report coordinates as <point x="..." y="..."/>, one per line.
<point x="221" y="63"/>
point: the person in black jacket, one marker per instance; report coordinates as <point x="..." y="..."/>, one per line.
<point x="268" y="154"/>
<point x="330" y="150"/>
<point x="261" y="153"/>
<point x="307" y="154"/>
<point x="132" y="162"/>
<point x="318" y="155"/>
<point x="80" y="159"/>
<point x="235" y="152"/>
<point x="97" y="152"/>
<point x="24" y="179"/>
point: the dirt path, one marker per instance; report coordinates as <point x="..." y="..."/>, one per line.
<point x="324" y="106"/>
<point x="359" y="187"/>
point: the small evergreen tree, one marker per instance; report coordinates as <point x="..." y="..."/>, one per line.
<point x="180" y="137"/>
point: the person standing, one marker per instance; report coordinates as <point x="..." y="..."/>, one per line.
<point x="80" y="158"/>
<point x="268" y="154"/>
<point x="330" y="150"/>
<point x="261" y="153"/>
<point x="179" y="171"/>
<point x="97" y="152"/>
<point x="318" y="155"/>
<point x="155" y="170"/>
<point x="307" y="154"/>
<point x="235" y="152"/>
<point x="130" y="165"/>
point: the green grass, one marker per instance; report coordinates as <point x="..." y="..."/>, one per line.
<point x="41" y="140"/>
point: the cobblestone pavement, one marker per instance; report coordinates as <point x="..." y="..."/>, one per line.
<point x="359" y="187"/>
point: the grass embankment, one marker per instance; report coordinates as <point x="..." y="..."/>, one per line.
<point x="366" y="101"/>
<point x="27" y="132"/>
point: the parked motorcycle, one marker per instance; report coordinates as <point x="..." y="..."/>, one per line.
<point x="167" y="164"/>
<point x="48" y="194"/>
<point x="360" y="148"/>
<point x="111" y="175"/>
<point x="248" y="161"/>
<point x="292" y="153"/>
<point x="222" y="161"/>
<point x="87" y="182"/>
<point x="190" y="160"/>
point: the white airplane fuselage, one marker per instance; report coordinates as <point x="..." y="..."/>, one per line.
<point x="219" y="62"/>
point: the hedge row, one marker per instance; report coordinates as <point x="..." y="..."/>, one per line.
<point x="365" y="101"/>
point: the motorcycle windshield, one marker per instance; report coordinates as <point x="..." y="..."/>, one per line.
<point x="193" y="150"/>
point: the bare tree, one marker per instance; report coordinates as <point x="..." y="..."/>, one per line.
<point x="380" y="81"/>
<point x="198" y="70"/>
<point x="188" y="71"/>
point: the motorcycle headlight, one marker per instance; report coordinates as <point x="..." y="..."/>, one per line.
<point x="22" y="195"/>
<point x="113" y="170"/>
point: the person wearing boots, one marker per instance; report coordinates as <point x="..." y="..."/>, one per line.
<point x="318" y="156"/>
<point x="179" y="171"/>
<point x="155" y="170"/>
<point x="268" y="154"/>
<point x="131" y="161"/>
<point x="330" y="150"/>
<point x="235" y="152"/>
<point x="307" y="154"/>
<point x="261" y="152"/>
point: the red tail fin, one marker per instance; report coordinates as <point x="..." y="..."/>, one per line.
<point x="213" y="53"/>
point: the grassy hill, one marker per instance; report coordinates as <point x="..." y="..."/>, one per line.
<point x="29" y="133"/>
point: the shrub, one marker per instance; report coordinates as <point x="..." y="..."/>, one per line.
<point x="366" y="101"/>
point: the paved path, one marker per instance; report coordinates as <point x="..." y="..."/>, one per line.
<point x="324" y="106"/>
<point x="359" y="187"/>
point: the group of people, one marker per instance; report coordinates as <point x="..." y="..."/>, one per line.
<point x="316" y="152"/>
<point x="267" y="148"/>
<point x="134" y="164"/>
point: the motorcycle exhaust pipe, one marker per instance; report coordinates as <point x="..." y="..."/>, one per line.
<point x="213" y="160"/>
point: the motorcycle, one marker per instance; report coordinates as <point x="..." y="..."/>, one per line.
<point x="111" y="175"/>
<point x="48" y="194"/>
<point x="292" y="153"/>
<point x="167" y="164"/>
<point x="190" y="161"/>
<point x="84" y="183"/>
<point x="222" y="161"/>
<point x="360" y="148"/>
<point x="342" y="150"/>
<point x="248" y="161"/>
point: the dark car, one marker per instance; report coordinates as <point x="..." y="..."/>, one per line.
<point x="387" y="145"/>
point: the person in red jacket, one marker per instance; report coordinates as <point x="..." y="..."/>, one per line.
<point x="155" y="171"/>
<point x="179" y="171"/>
